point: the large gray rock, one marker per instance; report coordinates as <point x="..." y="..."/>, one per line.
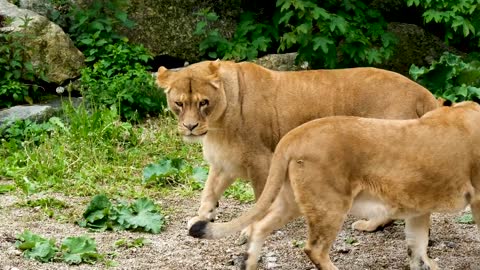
<point x="36" y="113"/>
<point x="166" y="27"/>
<point x="415" y="46"/>
<point x="50" y="47"/>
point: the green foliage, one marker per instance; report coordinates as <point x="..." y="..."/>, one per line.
<point x="15" y="133"/>
<point x="135" y="243"/>
<point x="133" y="91"/>
<point x="241" y="191"/>
<point x="92" y="27"/>
<point x="36" y="247"/>
<point x="116" y="74"/>
<point x="460" y="18"/>
<point x="466" y="218"/>
<point x="168" y="172"/>
<point x="334" y="34"/>
<point x="17" y="73"/>
<point x="80" y="249"/>
<point x="47" y="205"/>
<point x="90" y="150"/>
<point x="74" y="250"/>
<point x="5" y="188"/>
<point x="450" y="77"/>
<point x="141" y="215"/>
<point x="249" y="39"/>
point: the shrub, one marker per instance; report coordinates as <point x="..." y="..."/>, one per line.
<point x="17" y="73"/>
<point x="330" y="34"/>
<point x="451" y="77"/>
<point x="461" y="19"/>
<point x="249" y="39"/>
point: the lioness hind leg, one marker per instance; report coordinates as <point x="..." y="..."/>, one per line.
<point x="323" y="227"/>
<point x="416" y="233"/>
<point x="283" y="210"/>
<point x="372" y="224"/>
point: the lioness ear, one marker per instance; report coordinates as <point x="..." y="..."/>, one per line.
<point x="215" y="83"/>
<point x="214" y="66"/>
<point x="163" y="78"/>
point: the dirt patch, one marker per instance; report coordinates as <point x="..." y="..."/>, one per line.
<point x="453" y="245"/>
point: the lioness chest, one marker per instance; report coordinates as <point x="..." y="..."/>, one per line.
<point x="227" y="156"/>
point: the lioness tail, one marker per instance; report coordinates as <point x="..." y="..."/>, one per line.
<point x="276" y="177"/>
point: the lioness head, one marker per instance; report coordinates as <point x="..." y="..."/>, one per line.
<point x="196" y="95"/>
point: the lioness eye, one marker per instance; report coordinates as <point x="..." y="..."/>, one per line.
<point x="179" y="104"/>
<point x="203" y="103"/>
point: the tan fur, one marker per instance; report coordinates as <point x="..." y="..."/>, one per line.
<point x="250" y="108"/>
<point x="400" y="168"/>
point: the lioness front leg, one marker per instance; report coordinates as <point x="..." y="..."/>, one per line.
<point x="217" y="182"/>
<point x="416" y="233"/>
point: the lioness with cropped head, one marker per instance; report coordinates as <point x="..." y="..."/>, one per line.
<point x="239" y="111"/>
<point x="368" y="167"/>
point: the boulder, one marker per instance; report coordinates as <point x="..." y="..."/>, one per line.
<point x="166" y="27"/>
<point x="415" y="46"/>
<point x="36" y="113"/>
<point x="50" y="47"/>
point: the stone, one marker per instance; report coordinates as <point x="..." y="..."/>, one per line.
<point x="166" y="27"/>
<point x="36" y="113"/>
<point x="281" y="62"/>
<point x="50" y="47"/>
<point x="415" y="46"/>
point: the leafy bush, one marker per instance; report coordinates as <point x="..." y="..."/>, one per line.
<point x="330" y="34"/>
<point x="17" y="73"/>
<point x="450" y="77"/>
<point x="92" y="27"/>
<point x="334" y="34"/>
<point x="79" y="249"/>
<point x="249" y="39"/>
<point x="460" y="18"/>
<point x="36" y="247"/>
<point x="134" y="92"/>
<point x="13" y="134"/>
<point x="169" y="172"/>
<point x="74" y="250"/>
<point x="116" y="74"/>
<point x="141" y="215"/>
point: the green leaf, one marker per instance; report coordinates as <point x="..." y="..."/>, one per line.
<point x="164" y="168"/>
<point x="80" y="249"/>
<point x="466" y="218"/>
<point x="36" y="247"/>
<point x="142" y="214"/>
<point x="211" y="16"/>
<point x="321" y="42"/>
<point x="200" y="174"/>
<point x="286" y="17"/>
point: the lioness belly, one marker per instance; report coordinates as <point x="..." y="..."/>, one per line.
<point x="368" y="205"/>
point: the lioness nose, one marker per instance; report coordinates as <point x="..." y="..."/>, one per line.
<point x="190" y="126"/>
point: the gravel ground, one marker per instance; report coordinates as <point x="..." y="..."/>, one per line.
<point x="453" y="245"/>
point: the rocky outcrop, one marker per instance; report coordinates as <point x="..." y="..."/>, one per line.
<point x="166" y="27"/>
<point x="50" y="47"/>
<point x="415" y="46"/>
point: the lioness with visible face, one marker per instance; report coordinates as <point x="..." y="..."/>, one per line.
<point x="239" y="111"/>
<point x="368" y="167"/>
